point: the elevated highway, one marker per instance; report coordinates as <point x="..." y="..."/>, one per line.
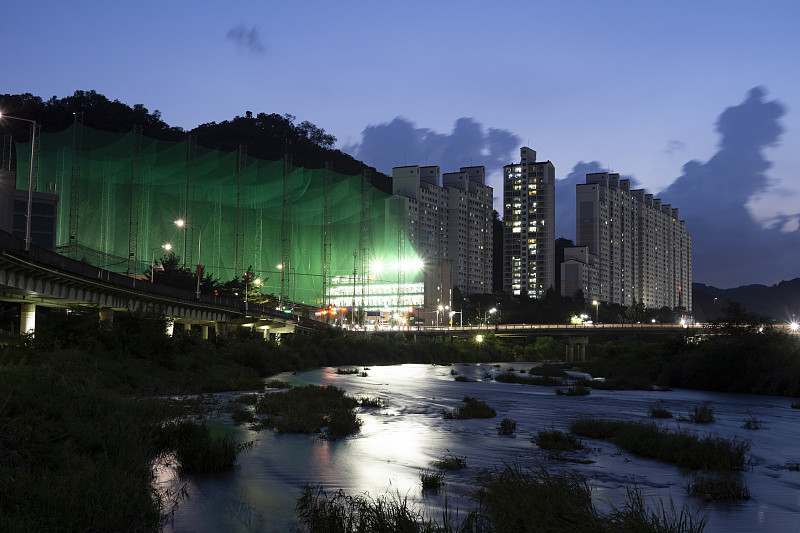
<point x="41" y="278"/>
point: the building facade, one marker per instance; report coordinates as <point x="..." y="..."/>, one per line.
<point x="448" y="223"/>
<point x="631" y="247"/>
<point x="529" y="225"/>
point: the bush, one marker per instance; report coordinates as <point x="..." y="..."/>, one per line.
<point x="753" y="423"/>
<point x="451" y="461"/>
<point x="718" y="486"/>
<point x="659" y="412"/>
<point x="240" y="415"/>
<point x="431" y="481"/>
<point x="310" y="409"/>
<point x="647" y="439"/>
<point x="474" y="408"/>
<point x="196" y="450"/>
<point x="557" y="441"/>
<point x="702" y="414"/>
<point x="507" y="427"/>
<point x="370" y="402"/>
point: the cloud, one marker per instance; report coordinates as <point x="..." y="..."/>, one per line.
<point x="675" y="146"/>
<point x="400" y="142"/>
<point x="729" y="246"/>
<point x="247" y="39"/>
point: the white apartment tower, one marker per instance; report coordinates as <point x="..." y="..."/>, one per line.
<point x="529" y="225"/>
<point x="636" y="248"/>
<point x="450" y="222"/>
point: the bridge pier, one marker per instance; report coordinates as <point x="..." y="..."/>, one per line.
<point x="204" y="332"/>
<point x="27" y="318"/>
<point x="221" y="329"/>
<point x="579" y="343"/>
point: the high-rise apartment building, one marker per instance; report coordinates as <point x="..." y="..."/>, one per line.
<point x="449" y="220"/>
<point x="631" y="247"/>
<point x="529" y="225"/>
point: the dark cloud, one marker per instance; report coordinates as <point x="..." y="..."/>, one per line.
<point x="565" y="195"/>
<point x="400" y="143"/>
<point x="247" y="39"/>
<point x="729" y="247"/>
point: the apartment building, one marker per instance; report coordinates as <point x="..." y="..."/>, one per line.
<point x="630" y="247"/>
<point x="529" y="225"/>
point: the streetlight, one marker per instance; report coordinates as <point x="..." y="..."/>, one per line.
<point x="441" y="309"/>
<point x="491" y="311"/>
<point x="181" y="223"/>
<point x="460" y="318"/>
<point x="715" y="309"/>
<point x="596" y="305"/>
<point x="167" y="247"/>
<point x="30" y="180"/>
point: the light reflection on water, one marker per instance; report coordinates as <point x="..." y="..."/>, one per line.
<point x="402" y="438"/>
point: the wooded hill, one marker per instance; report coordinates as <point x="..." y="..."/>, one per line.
<point x="266" y="136"/>
<point x="781" y="302"/>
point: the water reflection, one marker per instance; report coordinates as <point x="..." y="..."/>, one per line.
<point x="408" y="433"/>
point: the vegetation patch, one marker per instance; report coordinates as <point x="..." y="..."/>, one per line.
<point x="792" y="466"/>
<point x="195" y="450"/>
<point x="701" y="414"/>
<point x="574" y="390"/>
<point x="277" y="384"/>
<point x="680" y="448"/>
<point x="309" y="410"/>
<point x="511" y="377"/>
<point x="248" y="399"/>
<point x="557" y="441"/>
<point x="240" y="415"/>
<point x="507" y="427"/>
<point x="472" y="408"/>
<point x="659" y="412"/>
<point x="431" y="481"/>
<point x="753" y="423"/>
<point x="347" y="371"/>
<point x="369" y="403"/>
<point x="553" y="371"/>
<point x="718" y="486"/>
<point x="450" y="461"/>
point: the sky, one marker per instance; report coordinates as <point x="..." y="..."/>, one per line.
<point x="632" y="87"/>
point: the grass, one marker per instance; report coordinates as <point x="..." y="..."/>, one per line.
<point x="509" y="499"/>
<point x="473" y="408"/>
<point x="240" y="415"/>
<point x="718" y="486"/>
<point x="511" y="377"/>
<point x="659" y="412"/>
<point x="309" y="410"/>
<point x="450" y="461"/>
<point x="507" y="427"/>
<point x="792" y="466"/>
<point x="196" y="450"/>
<point x="462" y="379"/>
<point x="431" y="481"/>
<point x="347" y="371"/>
<point x="753" y="423"/>
<point x="680" y="448"/>
<point x="249" y="398"/>
<point x="557" y="441"/>
<point x="277" y="384"/>
<point x="369" y="403"/>
<point x="574" y="390"/>
<point x="701" y="414"/>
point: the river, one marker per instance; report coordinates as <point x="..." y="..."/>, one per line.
<point x="402" y="438"/>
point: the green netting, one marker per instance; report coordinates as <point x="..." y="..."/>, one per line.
<point x="131" y="190"/>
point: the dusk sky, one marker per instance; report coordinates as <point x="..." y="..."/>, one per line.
<point x="635" y="87"/>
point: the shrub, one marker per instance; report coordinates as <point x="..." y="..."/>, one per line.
<point x="702" y="414"/>
<point x="240" y="415"/>
<point x="310" y="409"/>
<point x="474" y="408"/>
<point x="718" y="486"/>
<point x="659" y="412"/>
<point x="370" y="402"/>
<point x="196" y="450"/>
<point x="507" y="427"/>
<point x="249" y="399"/>
<point x="431" y="481"/>
<point x="680" y="448"/>
<point x="451" y="461"/>
<point x="753" y="423"/>
<point x="277" y="384"/>
<point x="557" y="441"/>
<point x="347" y="371"/>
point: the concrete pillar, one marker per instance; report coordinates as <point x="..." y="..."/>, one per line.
<point x="266" y="333"/>
<point x="204" y="332"/>
<point x="582" y="352"/>
<point x="107" y="316"/>
<point x="569" y="353"/>
<point x="221" y="329"/>
<point x="27" y="318"/>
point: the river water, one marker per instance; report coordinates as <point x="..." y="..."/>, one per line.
<point x="402" y="438"/>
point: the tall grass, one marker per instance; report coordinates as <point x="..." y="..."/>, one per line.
<point x="473" y="408"/>
<point x="680" y="448"/>
<point x="558" y="441"/>
<point x="195" y="449"/>
<point x="718" y="486"/>
<point x="310" y="409"/>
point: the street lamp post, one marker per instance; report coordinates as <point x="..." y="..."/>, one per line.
<point x="166" y="247"/>
<point x="596" y="305"/>
<point x="181" y="223"/>
<point x="293" y="274"/>
<point x="715" y="309"/>
<point x="460" y="318"/>
<point x="491" y="311"/>
<point x="30" y="179"/>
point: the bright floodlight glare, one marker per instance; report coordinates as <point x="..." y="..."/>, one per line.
<point x="279" y="267"/>
<point x="257" y="281"/>
<point x="377" y="266"/>
<point x="167" y="246"/>
<point x="180" y="222"/>
<point x="794" y="326"/>
<point x="479" y="338"/>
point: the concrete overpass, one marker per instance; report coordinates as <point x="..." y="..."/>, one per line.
<point x="41" y="278"/>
